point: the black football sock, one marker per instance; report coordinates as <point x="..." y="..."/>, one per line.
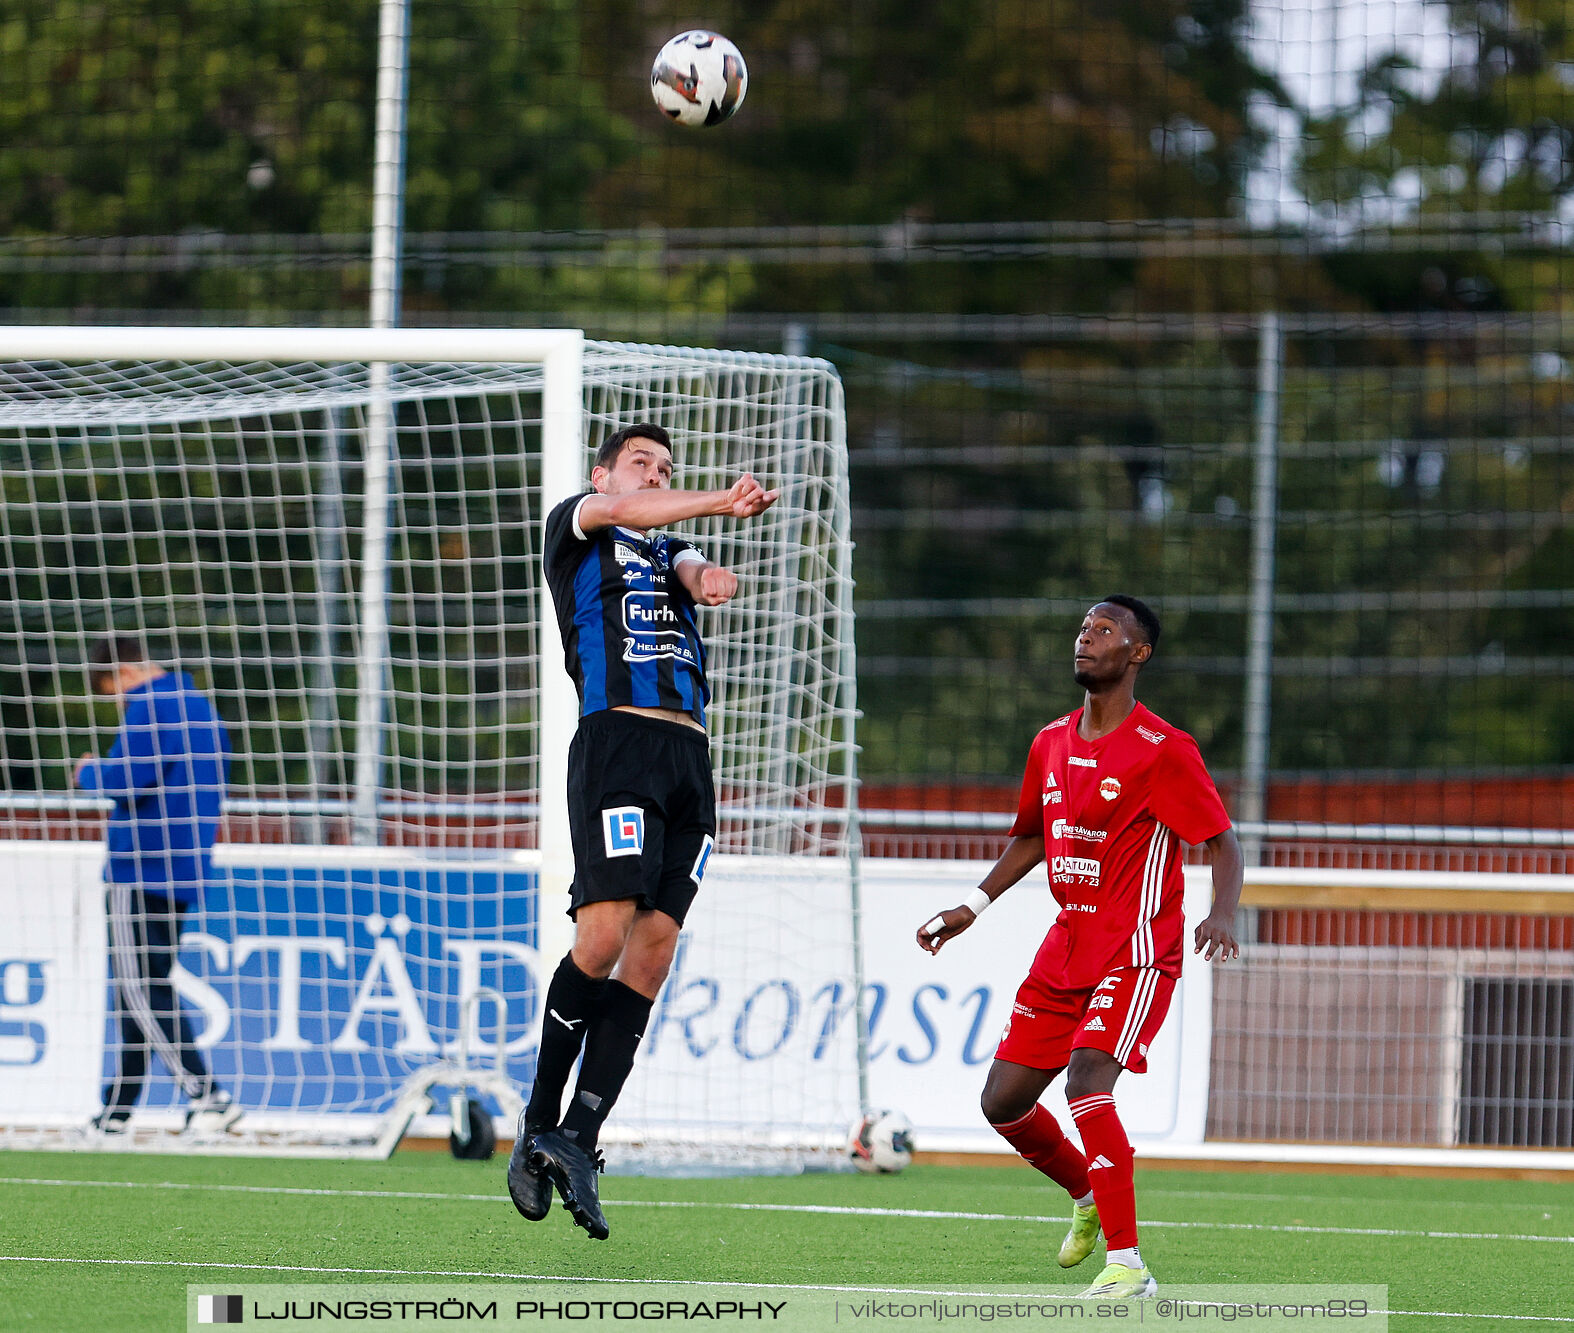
<point x="609" y="1056"/>
<point x="572" y="1007"/>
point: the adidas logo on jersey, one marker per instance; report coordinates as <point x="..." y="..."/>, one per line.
<point x="1094" y="1024"/>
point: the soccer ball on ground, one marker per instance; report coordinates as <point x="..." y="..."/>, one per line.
<point x="699" y="78"/>
<point x="881" y="1141"/>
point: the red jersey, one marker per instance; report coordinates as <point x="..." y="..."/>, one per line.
<point x="1113" y="813"/>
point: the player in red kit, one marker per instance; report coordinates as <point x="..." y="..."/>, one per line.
<point x="1110" y="793"/>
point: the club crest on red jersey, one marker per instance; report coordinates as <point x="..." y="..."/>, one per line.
<point x="1109" y="789"/>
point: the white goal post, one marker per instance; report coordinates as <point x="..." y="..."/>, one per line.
<point x="338" y="532"/>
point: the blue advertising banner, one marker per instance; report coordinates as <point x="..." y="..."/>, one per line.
<point x="322" y="989"/>
<point x="318" y="980"/>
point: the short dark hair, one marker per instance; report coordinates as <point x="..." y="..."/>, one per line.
<point x="114" y="651"/>
<point x="612" y="446"/>
<point x="1142" y="613"/>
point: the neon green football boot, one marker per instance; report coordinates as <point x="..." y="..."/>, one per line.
<point x="1082" y="1237"/>
<point x="1117" y="1282"/>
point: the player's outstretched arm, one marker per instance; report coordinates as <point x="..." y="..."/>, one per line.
<point x="652" y="508"/>
<point x="1216" y="934"/>
<point x="1020" y="856"/>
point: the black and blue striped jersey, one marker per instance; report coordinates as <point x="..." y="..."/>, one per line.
<point x="630" y="633"/>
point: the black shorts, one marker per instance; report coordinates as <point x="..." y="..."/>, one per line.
<point x="641" y="811"/>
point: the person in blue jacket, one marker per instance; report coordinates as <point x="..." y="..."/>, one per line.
<point x="166" y="774"/>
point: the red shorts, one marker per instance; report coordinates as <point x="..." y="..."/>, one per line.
<point x="1120" y="1016"/>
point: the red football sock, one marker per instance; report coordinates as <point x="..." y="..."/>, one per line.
<point x="1109" y="1159"/>
<point x="1038" y="1137"/>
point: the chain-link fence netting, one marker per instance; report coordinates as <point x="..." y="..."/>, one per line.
<point x="1127" y="297"/>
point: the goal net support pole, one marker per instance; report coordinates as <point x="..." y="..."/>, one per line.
<point x="562" y="474"/>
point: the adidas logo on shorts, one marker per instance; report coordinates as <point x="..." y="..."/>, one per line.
<point x="1094" y="1024"/>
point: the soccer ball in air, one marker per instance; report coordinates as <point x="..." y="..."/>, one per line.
<point x="881" y="1141"/>
<point x="699" y="78"/>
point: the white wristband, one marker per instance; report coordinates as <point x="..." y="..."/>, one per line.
<point x="977" y="900"/>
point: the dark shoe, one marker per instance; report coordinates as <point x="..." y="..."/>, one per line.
<point x="528" y="1187"/>
<point x="110" y="1121"/>
<point x="573" y="1171"/>
<point x="211" y="1115"/>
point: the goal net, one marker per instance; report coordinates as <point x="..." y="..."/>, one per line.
<point x="337" y="534"/>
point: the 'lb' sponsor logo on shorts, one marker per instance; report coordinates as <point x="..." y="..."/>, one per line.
<point x="623" y="830"/>
<point x="702" y="860"/>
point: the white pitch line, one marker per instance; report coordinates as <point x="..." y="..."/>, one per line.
<point x="1456" y="1314"/>
<point x="1362" y="1199"/>
<point x="1059" y="1295"/>
<point x="819" y="1209"/>
<point x="653" y="1282"/>
<point x="1060" y="1220"/>
<point x="254" y="1189"/>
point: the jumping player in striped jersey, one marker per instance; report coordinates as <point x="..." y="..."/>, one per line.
<point x="1110" y="793"/>
<point x="642" y="807"/>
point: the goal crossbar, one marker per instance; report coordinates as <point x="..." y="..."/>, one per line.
<point x="196" y="342"/>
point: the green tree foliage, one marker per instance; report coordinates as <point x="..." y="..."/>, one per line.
<point x="1022" y="471"/>
<point x="957" y="111"/>
<point x="195" y="118"/>
<point x="149" y="117"/>
<point x="1492" y="134"/>
<point x="962" y="111"/>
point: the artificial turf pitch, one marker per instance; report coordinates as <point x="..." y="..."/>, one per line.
<point x="108" y="1241"/>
